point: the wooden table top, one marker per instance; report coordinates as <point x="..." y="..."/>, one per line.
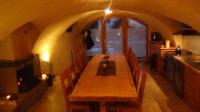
<point x="92" y="87"/>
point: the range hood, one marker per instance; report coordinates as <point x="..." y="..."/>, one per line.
<point x="186" y="30"/>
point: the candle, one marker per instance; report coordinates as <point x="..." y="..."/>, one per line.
<point x="167" y="43"/>
<point x="8" y="97"/>
<point x="44" y="76"/>
<point x="104" y="65"/>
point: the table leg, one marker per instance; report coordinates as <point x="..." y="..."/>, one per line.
<point x="103" y="106"/>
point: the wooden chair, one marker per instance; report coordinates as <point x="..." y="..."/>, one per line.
<point x="135" y="68"/>
<point x="67" y="89"/>
<point x="136" y="73"/>
<point x="77" y="60"/>
<point x="137" y="105"/>
<point x="80" y="59"/>
<point x="133" y="60"/>
<point x="77" y="67"/>
<point x="73" y="74"/>
<point x="79" y="107"/>
<point x="83" y="57"/>
<point x="128" y="54"/>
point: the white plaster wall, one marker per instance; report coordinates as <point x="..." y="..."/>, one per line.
<point x="61" y="56"/>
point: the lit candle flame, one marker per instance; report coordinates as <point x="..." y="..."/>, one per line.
<point x="44" y="76"/>
<point x="8" y="97"/>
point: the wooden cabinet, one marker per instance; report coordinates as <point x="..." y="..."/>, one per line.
<point x="192" y="87"/>
<point x="157" y="57"/>
<point x="163" y="51"/>
<point x="160" y="67"/>
<point x="179" y="78"/>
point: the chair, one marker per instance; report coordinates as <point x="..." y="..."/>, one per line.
<point x="73" y="74"/>
<point x="135" y="68"/>
<point x="136" y="73"/>
<point x="137" y="105"/>
<point x="128" y="54"/>
<point x="83" y="57"/>
<point x="67" y="89"/>
<point x="78" y="60"/>
<point x="77" y="67"/>
<point x="133" y="60"/>
<point x="79" y="107"/>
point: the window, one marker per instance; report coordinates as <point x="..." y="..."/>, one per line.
<point x="114" y="35"/>
<point x="137" y="37"/>
<point x="95" y="29"/>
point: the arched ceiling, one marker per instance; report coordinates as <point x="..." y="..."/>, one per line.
<point x="156" y="22"/>
<point x="52" y="17"/>
<point x="15" y="13"/>
<point x="48" y="37"/>
<point x="54" y="31"/>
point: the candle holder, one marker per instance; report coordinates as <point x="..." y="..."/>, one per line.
<point x="178" y="51"/>
<point x="106" y="57"/>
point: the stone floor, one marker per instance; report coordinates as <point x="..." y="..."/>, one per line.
<point x="52" y="101"/>
<point x="158" y="97"/>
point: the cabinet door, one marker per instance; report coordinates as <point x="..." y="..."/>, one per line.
<point x="192" y="88"/>
<point x="169" y="67"/>
<point x="178" y="79"/>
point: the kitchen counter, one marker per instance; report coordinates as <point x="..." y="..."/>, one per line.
<point x="188" y="61"/>
<point x="187" y="76"/>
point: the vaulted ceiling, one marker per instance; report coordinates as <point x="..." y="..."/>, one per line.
<point x="54" y="16"/>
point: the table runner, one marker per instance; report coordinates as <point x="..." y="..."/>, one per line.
<point x="106" y="68"/>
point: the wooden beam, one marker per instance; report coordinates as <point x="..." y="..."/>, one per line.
<point x="124" y="34"/>
<point x="103" y="35"/>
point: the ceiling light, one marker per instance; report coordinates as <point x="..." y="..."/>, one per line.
<point x="108" y="11"/>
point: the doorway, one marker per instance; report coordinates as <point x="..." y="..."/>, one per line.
<point x="114" y="36"/>
<point x="115" y="31"/>
<point x="95" y="29"/>
<point x="137" y="37"/>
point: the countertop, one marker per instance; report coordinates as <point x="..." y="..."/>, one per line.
<point x="188" y="61"/>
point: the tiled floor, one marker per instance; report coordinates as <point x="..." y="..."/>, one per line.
<point x="158" y="97"/>
<point x="52" y="101"/>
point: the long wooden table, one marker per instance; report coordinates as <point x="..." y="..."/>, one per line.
<point x="92" y="87"/>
